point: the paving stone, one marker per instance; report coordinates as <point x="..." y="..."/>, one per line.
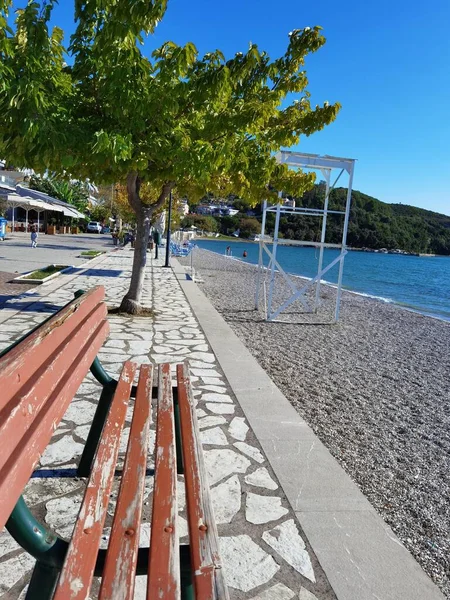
<point x="276" y="592"/>
<point x="261" y="478"/>
<point x="181" y="493"/>
<point x="195" y="364"/>
<point x="214" y="388"/>
<point x="213" y="397"/>
<point x="137" y="347"/>
<point x="306" y="595"/>
<point x="211" y="421"/>
<point x="80" y="412"/>
<point x="238" y="428"/>
<point x="62" y="513"/>
<point x="215" y="437"/>
<point x="12" y="570"/>
<point x="262" y="509"/>
<point x="115" y="343"/>
<point x="206" y="373"/>
<point x="141" y="359"/>
<point x="226" y="500"/>
<point x="179" y="342"/>
<point x="183" y="529"/>
<point x="201" y="348"/>
<point x="7" y="543"/>
<point x="200" y="413"/>
<point x="119" y="336"/>
<point x="221" y="409"/>
<point x="62" y="451"/>
<point x="245" y="564"/>
<point x="164" y="349"/>
<point x="110" y="358"/>
<point x="144" y="535"/>
<point x="82" y="431"/>
<point x="39" y="490"/>
<point x="165" y="358"/>
<point x="221" y="463"/>
<point x="211" y="380"/>
<point x="250" y="451"/>
<point x="90" y="388"/>
<point x="286" y="541"/>
<point x="203" y="356"/>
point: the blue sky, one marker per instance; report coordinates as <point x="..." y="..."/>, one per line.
<point x="386" y="62"/>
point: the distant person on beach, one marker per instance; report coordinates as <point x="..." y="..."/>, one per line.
<point x="244" y="254"/>
<point x="228" y="251"/>
<point x="34" y="237"/>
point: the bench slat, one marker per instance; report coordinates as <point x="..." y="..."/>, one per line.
<point x="164" y="572"/>
<point x="76" y="575"/>
<point x="203" y="537"/>
<point x="20" y="363"/>
<point x="22" y="410"/>
<point x="118" y="577"/>
<point x="20" y="464"/>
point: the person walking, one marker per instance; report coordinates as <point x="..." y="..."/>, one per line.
<point x="34" y="237"/>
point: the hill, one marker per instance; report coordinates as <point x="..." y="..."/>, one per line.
<point x="373" y="224"/>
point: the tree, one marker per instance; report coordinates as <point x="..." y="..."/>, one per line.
<point x="249" y="227"/>
<point x="172" y="119"/>
<point x="204" y="222"/>
<point x="72" y="192"/>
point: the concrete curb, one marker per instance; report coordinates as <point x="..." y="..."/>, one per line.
<point x="360" y="554"/>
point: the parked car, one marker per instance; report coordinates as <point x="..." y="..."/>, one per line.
<point x="94" y="227"/>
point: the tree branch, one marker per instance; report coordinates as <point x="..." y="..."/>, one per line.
<point x="133" y="189"/>
<point x="166" y="189"/>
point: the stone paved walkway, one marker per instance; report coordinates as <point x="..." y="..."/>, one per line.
<point x="265" y="554"/>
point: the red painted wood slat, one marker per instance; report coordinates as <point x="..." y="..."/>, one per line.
<point x="19" y="466"/>
<point x="22" y="410"/>
<point x="164" y="571"/>
<point x="203" y="537"/>
<point x="76" y="576"/>
<point x="20" y="363"/>
<point x="119" y="573"/>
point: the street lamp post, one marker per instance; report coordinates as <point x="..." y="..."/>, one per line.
<point x="169" y="219"/>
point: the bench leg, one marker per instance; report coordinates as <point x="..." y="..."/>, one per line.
<point x="95" y="432"/>
<point x="43" y="582"/>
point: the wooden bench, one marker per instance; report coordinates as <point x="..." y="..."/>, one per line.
<point x="40" y="376"/>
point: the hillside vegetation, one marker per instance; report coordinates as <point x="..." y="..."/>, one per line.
<point x="373" y="224"/>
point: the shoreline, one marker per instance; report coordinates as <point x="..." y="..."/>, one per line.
<point x="349" y="248"/>
<point x="373" y="387"/>
<point x="382" y="299"/>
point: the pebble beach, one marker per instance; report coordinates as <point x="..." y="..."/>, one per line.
<point x="375" y="388"/>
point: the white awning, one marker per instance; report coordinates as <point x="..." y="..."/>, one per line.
<point x="32" y="203"/>
<point x="54" y="203"/>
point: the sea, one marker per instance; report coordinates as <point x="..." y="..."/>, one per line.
<point x="418" y="283"/>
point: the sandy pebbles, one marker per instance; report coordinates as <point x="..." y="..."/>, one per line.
<point x="375" y="389"/>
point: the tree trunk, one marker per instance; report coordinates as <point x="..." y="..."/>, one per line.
<point x="131" y="301"/>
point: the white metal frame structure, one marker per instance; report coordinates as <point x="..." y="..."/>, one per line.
<point x="325" y="164"/>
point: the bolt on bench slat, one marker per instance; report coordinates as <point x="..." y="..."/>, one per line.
<point x="164" y="572"/>
<point x="119" y="575"/>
